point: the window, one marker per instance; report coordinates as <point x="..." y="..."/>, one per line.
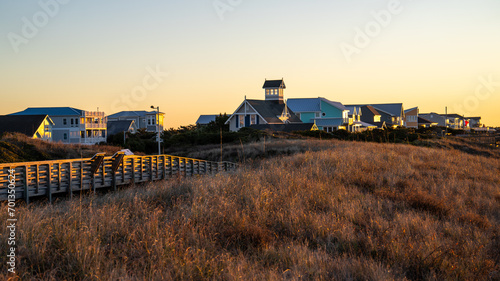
<point x="242" y="121"/>
<point x="323" y="114"/>
<point x="253" y="119"/>
<point x="76" y="121"/>
<point x="317" y="115"/>
<point x="64" y="121"/>
<point x="72" y="122"/>
<point x="65" y="136"/>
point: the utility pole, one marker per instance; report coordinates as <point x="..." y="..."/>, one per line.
<point x="446" y="120"/>
<point x="157" y="127"/>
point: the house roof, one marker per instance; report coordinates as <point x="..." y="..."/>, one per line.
<point x="274" y="84"/>
<point x="410" y="109"/>
<point x="22" y="124"/>
<point x="453" y="115"/>
<point x="425" y="121"/>
<point x="291" y="127"/>
<point x="327" y="122"/>
<point x="205" y="119"/>
<point x="371" y="109"/>
<point x="51" y="111"/>
<point x="270" y="111"/>
<point x="139" y="113"/>
<point x="119" y="126"/>
<point x="312" y="104"/>
<point x="394" y="109"/>
<point x="353" y="109"/>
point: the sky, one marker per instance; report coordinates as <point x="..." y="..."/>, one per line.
<point x="195" y="57"/>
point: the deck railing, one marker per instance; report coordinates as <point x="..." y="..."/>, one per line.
<point x="46" y="178"/>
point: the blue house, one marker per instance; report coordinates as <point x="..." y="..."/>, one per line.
<point x="327" y="115"/>
<point x="72" y="125"/>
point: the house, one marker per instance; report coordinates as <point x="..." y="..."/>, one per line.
<point x="273" y="110"/>
<point x="434" y="117"/>
<point x="327" y="115"/>
<point x="34" y="126"/>
<point x="373" y="117"/>
<point x="451" y="120"/>
<point x="120" y="126"/>
<point x="455" y="121"/>
<point x="391" y="113"/>
<point x="474" y="122"/>
<point x="411" y="117"/>
<point x="149" y="120"/>
<point x="72" y="125"/>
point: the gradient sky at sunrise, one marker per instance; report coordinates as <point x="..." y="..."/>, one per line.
<point x="202" y="57"/>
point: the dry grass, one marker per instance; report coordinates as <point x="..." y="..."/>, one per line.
<point x="349" y="211"/>
<point x="20" y="148"/>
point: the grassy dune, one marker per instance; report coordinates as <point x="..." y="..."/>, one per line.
<point x="20" y="148"/>
<point x="346" y="211"/>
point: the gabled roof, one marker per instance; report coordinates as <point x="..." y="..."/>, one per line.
<point x="51" y="111"/>
<point x="453" y="115"/>
<point x="410" y="109"/>
<point x="393" y="109"/>
<point x="312" y="104"/>
<point x="115" y="127"/>
<point x="140" y="113"/>
<point x="371" y="109"/>
<point x="353" y="110"/>
<point x="270" y="111"/>
<point x="22" y="124"/>
<point x="274" y="84"/>
<point x="205" y="119"/>
<point x="425" y="121"/>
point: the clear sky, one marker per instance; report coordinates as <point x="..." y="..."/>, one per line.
<point x="195" y="57"/>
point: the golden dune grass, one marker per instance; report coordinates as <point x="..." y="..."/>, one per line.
<point x="348" y="211"/>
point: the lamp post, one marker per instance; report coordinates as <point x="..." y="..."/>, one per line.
<point x="157" y="126"/>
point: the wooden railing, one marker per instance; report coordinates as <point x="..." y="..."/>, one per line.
<point x="32" y="179"/>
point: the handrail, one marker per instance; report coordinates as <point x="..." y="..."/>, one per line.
<point x="45" y="178"/>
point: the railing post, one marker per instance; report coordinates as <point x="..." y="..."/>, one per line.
<point x="37" y="179"/>
<point x="49" y="182"/>
<point x="26" y="188"/>
<point x="70" y="189"/>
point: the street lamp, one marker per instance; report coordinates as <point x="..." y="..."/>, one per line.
<point x="157" y="126"/>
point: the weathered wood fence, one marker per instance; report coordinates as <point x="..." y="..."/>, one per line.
<point x="486" y="139"/>
<point x="45" y="178"/>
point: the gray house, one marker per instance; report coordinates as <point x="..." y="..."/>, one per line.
<point x="148" y="120"/>
<point x="71" y="125"/>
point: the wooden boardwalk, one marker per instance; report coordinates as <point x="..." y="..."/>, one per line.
<point x="46" y="178"/>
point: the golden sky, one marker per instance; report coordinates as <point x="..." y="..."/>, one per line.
<point x="203" y="57"/>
